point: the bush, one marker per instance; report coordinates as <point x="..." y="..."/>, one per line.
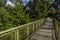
<point x="12" y="17"/>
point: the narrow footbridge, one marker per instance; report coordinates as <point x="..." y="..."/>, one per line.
<point x="42" y="29"/>
<point x="45" y="32"/>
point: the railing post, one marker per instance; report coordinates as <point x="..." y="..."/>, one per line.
<point x="58" y="31"/>
<point x="36" y="26"/>
<point x="33" y="27"/>
<point x="57" y="27"/>
<point x="27" y="32"/>
<point x="39" y="23"/>
<point x="17" y="35"/>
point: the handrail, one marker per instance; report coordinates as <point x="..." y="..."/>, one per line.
<point x="17" y="27"/>
<point x="57" y="28"/>
<point x="57" y="21"/>
<point x="21" y="32"/>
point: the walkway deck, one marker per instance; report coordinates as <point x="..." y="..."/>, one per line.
<point x="45" y="32"/>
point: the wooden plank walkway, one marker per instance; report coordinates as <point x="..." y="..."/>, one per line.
<point x="45" y="32"/>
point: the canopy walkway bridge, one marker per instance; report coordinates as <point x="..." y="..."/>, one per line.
<point x="39" y="30"/>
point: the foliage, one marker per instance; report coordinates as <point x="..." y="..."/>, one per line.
<point x="4" y="22"/>
<point x="39" y="8"/>
<point x="56" y="14"/>
<point x="18" y="15"/>
<point x="12" y="17"/>
<point x="2" y="3"/>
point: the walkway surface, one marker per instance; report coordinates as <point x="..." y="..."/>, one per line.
<point x="45" y="32"/>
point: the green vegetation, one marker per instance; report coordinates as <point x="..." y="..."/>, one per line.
<point x="56" y="14"/>
<point x="19" y="15"/>
<point x="12" y="17"/>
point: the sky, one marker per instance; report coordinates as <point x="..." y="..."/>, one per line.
<point x="24" y="1"/>
<point x="12" y="4"/>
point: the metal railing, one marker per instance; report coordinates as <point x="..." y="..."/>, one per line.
<point x="57" y="29"/>
<point x="23" y="32"/>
